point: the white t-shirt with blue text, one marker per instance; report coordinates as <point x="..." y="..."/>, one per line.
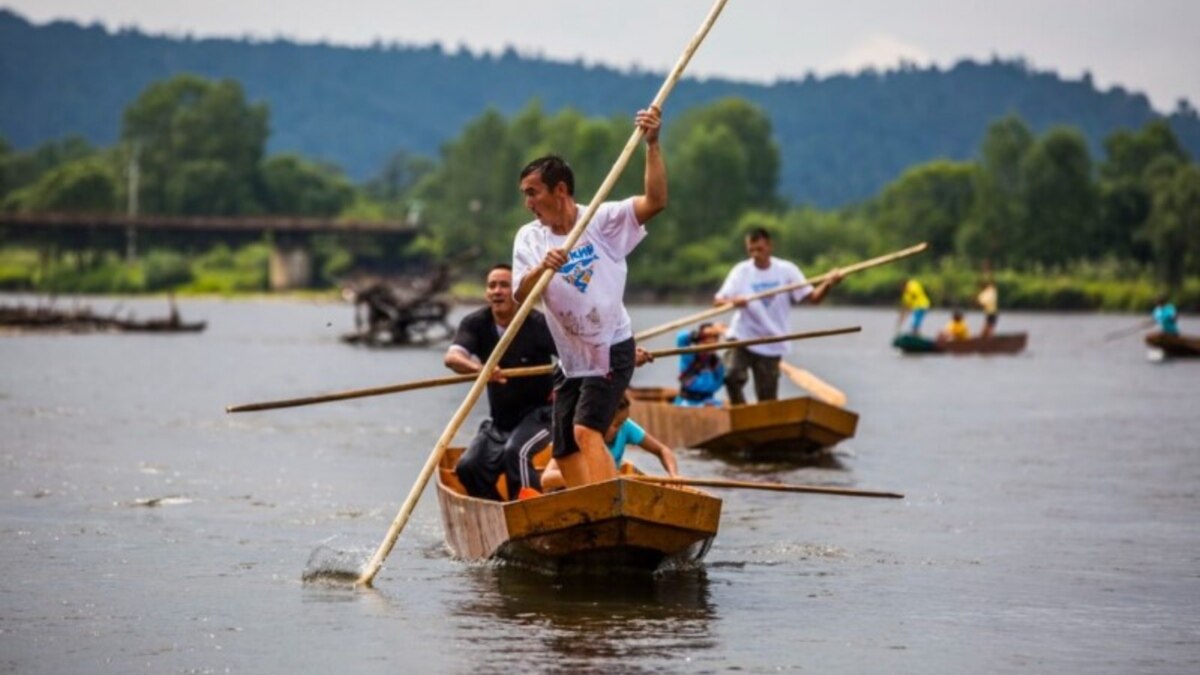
<point x="584" y="303"/>
<point x="765" y="317"/>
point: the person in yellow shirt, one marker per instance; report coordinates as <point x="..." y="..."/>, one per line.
<point x="956" y="329"/>
<point x="914" y="300"/>
<point x="989" y="300"/>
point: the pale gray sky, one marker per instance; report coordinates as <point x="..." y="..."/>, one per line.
<point x="1149" y="45"/>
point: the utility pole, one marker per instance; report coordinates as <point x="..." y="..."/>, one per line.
<point x="133" y="173"/>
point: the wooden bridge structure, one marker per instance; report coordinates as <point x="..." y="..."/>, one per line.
<point x="291" y="262"/>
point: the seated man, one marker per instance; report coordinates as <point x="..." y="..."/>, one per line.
<point x="956" y="329"/>
<point x="520" y="410"/>
<point x="701" y="375"/>
<point x="622" y="432"/>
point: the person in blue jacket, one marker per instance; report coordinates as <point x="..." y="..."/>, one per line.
<point x="701" y="375"/>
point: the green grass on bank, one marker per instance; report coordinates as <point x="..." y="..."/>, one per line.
<point x="222" y="271"/>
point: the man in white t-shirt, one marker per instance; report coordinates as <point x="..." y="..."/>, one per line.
<point x="765" y="317"/>
<point x="584" y="302"/>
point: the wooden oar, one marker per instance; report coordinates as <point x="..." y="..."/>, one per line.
<point x="727" y="306"/>
<point x="753" y="485"/>
<point x="820" y="389"/>
<point x="1126" y="332"/>
<point x="435" y="456"/>
<point x="529" y="371"/>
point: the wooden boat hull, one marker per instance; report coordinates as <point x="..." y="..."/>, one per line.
<point x="617" y="525"/>
<point x="1177" y="346"/>
<point x="788" y="428"/>
<point x="1001" y="343"/>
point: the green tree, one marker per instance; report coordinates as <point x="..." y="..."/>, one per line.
<point x="1058" y="200"/>
<point x="1173" y="228"/>
<point x="929" y="202"/>
<point x="199" y="144"/>
<point x="295" y="186"/>
<point x="86" y="185"/>
<point x="1125" y="192"/>
<point x="998" y="216"/>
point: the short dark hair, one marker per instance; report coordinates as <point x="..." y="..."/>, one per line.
<point x="757" y="233"/>
<point x="499" y="266"/>
<point x="553" y="170"/>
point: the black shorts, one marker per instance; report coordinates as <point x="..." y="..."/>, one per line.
<point x="990" y="320"/>
<point x="590" y="401"/>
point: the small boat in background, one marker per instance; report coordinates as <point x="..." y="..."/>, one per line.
<point x="792" y="428"/>
<point x="1176" y="346"/>
<point x="618" y="525"/>
<point x="1001" y="343"/>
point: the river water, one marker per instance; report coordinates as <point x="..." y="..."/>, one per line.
<point x="1051" y="525"/>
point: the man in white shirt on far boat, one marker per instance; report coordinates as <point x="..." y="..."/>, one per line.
<point x="764" y="317"/>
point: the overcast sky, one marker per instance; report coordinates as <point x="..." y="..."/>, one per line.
<point x="1151" y="46"/>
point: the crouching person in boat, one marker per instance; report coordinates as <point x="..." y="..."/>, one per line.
<point x="701" y="375"/>
<point x="521" y="410"/>
<point x="955" y="329"/>
<point x="620" y="434"/>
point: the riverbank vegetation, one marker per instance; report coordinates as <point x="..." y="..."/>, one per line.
<point x="1056" y="227"/>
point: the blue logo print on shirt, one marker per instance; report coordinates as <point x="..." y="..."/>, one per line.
<point x="578" y="270"/>
<point x="760" y="286"/>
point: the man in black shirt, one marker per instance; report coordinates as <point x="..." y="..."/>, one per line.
<point x="520" y="409"/>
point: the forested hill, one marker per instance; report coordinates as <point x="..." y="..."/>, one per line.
<point x="841" y="138"/>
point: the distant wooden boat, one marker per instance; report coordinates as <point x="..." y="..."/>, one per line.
<point x="788" y="428"/>
<point x="1000" y="343"/>
<point x="46" y="319"/>
<point x="1177" y="346"/>
<point x="617" y="525"/>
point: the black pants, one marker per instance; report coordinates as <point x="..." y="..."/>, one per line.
<point x="590" y="401"/>
<point x="493" y="452"/>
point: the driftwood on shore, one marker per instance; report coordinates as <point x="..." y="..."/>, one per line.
<point x="46" y="318"/>
<point x="400" y="311"/>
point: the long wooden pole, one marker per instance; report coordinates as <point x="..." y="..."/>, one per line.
<point x="435" y="456"/>
<point x="727" y="306"/>
<point x="529" y="371"/>
<point x="752" y="485"/>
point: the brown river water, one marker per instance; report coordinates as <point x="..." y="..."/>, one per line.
<point x="1051" y="524"/>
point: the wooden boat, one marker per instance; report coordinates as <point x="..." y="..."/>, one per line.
<point x="1000" y="343"/>
<point x="788" y="428"/>
<point x="23" y="318"/>
<point x="1174" y="345"/>
<point x="618" y="525"/>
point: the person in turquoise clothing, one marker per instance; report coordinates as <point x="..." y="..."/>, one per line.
<point x="622" y="433"/>
<point x="1166" y="317"/>
<point x="701" y="375"/>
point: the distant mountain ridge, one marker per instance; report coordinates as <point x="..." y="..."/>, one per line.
<point x="841" y="138"/>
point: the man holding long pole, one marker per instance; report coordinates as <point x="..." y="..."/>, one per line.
<point x="763" y="317"/>
<point x="584" y="303"/>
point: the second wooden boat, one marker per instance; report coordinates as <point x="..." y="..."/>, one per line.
<point x="618" y="525"/>
<point x="788" y="428"/>
<point x="1177" y="346"/>
<point x="1000" y="343"/>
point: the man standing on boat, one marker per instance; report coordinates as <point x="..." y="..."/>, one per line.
<point x="520" y="420"/>
<point x="764" y="317"/>
<point x="913" y="299"/>
<point x="585" y="301"/>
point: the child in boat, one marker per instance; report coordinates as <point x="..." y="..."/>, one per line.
<point x="1165" y="316"/>
<point x="622" y="432"/>
<point x="956" y="329"/>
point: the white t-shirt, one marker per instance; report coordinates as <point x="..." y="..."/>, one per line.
<point x="765" y="317"/>
<point x="584" y="303"/>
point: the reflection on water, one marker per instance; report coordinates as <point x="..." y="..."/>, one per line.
<point x="628" y="622"/>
